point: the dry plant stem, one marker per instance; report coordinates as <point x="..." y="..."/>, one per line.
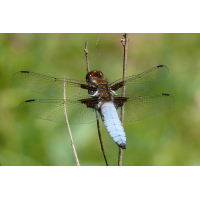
<point x="124" y="42"/>
<point x="100" y="139"/>
<point x="86" y="56"/>
<point x="70" y="134"/>
<point x="96" y="110"/>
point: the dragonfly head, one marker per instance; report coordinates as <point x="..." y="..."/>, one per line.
<point x="95" y="77"/>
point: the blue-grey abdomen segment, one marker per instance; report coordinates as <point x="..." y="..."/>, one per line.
<point x="113" y="124"/>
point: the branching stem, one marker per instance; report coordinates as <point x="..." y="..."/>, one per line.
<point x="96" y="110"/>
<point x="124" y="42"/>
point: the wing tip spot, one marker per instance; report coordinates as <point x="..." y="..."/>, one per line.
<point x="160" y="66"/>
<point x="30" y="100"/>
<point x="25" y="72"/>
<point x="164" y="94"/>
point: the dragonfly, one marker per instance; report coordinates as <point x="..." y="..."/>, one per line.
<point x="96" y="95"/>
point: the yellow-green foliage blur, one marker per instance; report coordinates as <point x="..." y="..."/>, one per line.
<point x="168" y="138"/>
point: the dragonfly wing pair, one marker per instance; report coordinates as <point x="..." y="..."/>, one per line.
<point x="136" y="107"/>
<point x="80" y="98"/>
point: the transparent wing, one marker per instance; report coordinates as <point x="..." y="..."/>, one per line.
<point x="53" y="110"/>
<point x="141" y="83"/>
<point x="140" y="107"/>
<point x="50" y="86"/>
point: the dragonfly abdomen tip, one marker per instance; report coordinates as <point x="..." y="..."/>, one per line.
<point x="123" y="146"/>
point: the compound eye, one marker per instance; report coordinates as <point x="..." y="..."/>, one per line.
<point x="94" y="75"/>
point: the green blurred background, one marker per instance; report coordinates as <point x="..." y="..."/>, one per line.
<point x="169" y="138"/>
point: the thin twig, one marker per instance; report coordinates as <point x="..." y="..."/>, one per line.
<point x="100" y="139"/>
<point x="66" y="118"/>
<point x="124" y="42"/>
<point x="96" y="110"/>
<point x="86" y="55"/>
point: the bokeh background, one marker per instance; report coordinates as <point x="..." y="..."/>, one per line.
<point x="169" y="138"/>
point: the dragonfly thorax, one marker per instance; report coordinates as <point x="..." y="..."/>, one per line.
<point x="104" y="92"/>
